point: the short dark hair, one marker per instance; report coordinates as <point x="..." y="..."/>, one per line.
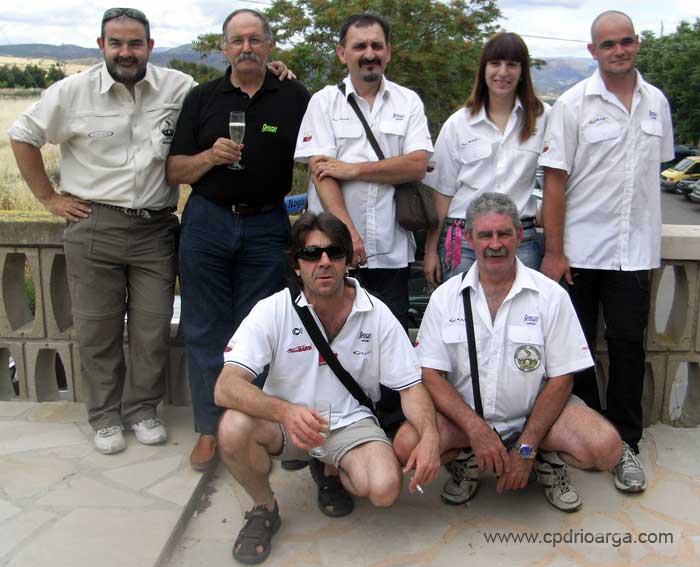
<point x="267" y="29"/>
<point x="491" y="203"/>
<point x="328" y="224"/>
<point x="364" y="21"/>
<point x="131" y="13"/>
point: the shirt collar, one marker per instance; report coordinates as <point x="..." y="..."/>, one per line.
<point x="350" y="88"/>
<point x="270" y="82"/>
<point x="523" y="279"/>
<point x="596" y="86"/>
<point x="107" y="81"/>
<point x="362" y="301"/>
<point x="482" y="117"/>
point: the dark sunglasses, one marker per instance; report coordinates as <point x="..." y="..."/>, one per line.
<point x="314" y="253"/>
<point x="132" y="13"/>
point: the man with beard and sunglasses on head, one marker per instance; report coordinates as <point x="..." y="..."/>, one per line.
<point x="235" y="226"/>
<point x="114" y="123"/>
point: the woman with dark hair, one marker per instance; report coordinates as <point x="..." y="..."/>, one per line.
<point x="491" y="144"/>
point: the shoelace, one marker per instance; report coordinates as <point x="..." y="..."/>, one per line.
<point x="563" y="480"/>
<point x="151" y="422"/>
<point x="107" y="431"/>
<point x="630" y="462"/>
<point x="460" y="470"/>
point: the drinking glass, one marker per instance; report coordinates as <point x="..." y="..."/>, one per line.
<point x="323" y="407"/>
<point x="236" y="130"/>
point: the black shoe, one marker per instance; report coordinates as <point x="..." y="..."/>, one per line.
<point x="333" y="500"/>
<point x="294" y="465"/>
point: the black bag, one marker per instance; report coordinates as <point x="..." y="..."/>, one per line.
<point x="415" y="210"/>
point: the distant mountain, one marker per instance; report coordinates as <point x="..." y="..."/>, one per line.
<point x="551" y="80"/>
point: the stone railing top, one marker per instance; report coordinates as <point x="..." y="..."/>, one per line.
<point x="30" y="228"/>
<point x="680" y="242"/>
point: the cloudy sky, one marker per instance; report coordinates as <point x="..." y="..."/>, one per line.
<point x="175" y="22"/>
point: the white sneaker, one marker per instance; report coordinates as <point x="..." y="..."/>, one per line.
<point x="110" y="440"/>
<point x="553" y="473"/>
<point x="150" y="431"/>
<point x="462" y="485"/>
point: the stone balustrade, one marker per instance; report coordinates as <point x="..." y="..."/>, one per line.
<point x="35" y="336"/>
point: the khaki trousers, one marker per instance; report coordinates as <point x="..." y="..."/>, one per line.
<point x="122" y="265"/>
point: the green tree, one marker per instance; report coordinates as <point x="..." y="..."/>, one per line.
<point x="672" y="63"/>
<point x="55" y="73"/>
<point x="198" y="71"/>
<point x="435" y="45"/>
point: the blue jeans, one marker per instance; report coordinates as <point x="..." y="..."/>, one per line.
<point x="530" y="252"/>
<point x="228" y="263"/>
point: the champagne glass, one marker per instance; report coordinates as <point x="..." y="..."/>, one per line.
<point x="323" y="407"/>
<point x="236" y="129"/>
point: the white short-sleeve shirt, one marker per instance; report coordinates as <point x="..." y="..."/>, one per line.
<point x="536" y="335"/>
<point x="613" y="208"/>
<point x="472" y="157"/>
<point x="113" y="147"/>
<point x="372" y="346"/>
<point x="331" y="128"/>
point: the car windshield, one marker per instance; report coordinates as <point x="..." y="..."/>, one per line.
<point x="683" y="165"/>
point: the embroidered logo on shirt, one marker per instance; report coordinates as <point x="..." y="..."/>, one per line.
<point x="100" y="134"/>
<point x="361" y="353"/>
<point x="269" y="128"/>
<point x="228" y="349"/>
<point x="365" y="337"/>
<point x="167" y="130"/>
<point x="296" y="331"/>
<point x="598" y="119"/>
<point x="300" y="348"/>
<point x="307" y="137"/>
<point x="527" y="358"/>
<point x="652" y="115"/>
<point x="397" y="116"/>
<point x="530" y="319"/>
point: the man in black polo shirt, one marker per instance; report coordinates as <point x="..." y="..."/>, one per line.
<point x="234" y="227"/>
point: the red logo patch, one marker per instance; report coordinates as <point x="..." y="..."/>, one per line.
<point x="300" y="348"/>
<point x="228" y="349"/>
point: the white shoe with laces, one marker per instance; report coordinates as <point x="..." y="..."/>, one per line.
<point x="629" y="474"/>
<point x="553" y="473"/>
<point x="110" y="440"/>
<point x="464" y="480"/>
<point x="150" y="431"/>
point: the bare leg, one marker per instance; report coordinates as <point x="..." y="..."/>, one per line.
<point x="372" y="471"/>
<point x="245" y="445"/>
<point x="584" y="438"/>
<point x="452" y="438"/>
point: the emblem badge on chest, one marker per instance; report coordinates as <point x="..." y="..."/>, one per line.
<point x="527" y="358"/>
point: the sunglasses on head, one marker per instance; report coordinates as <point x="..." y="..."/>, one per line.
<point x="132" y="13"/>
<point x="314" y="253"/>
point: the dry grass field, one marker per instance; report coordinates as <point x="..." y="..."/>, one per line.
<point x="68" y="68"/>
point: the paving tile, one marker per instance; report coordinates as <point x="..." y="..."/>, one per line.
<point x="135" y="453"/>
<point x="678" y="449"/>
<point x="16" y="530"/>
<point x="7" y="509"/>
<point x="178" y="488"/>
<point x="123" y="538"/>
<point x="685" y="507"/>
<point x="24" y="475"/>
<point x="594" y="540"/>
<point x="16" y="437"/>
<point x="141" y="475"/>
<point x="82" y="492"/>
<point x="15" y="409"/>
<point x="59" y="412"/>
<point x="658" y="535"/>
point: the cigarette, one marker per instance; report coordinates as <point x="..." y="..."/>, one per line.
<point x="419" y="488"/>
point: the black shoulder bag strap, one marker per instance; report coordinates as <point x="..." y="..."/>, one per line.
<point x="353" y="103"/>
<point x="325" y="349"/>
<point x="471" y="341"/>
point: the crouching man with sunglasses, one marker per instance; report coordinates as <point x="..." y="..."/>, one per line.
<point x="279" y="422"/>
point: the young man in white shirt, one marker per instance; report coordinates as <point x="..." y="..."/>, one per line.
<point x="277" y="422"/>
<point x="528" y="343"/>
<point x="602" y="218"/>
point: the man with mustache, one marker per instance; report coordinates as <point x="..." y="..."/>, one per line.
<point x="508" y="409"/>
<point x="114" y="123"/>
<point x="602" y="218"/>
<point x="348" y="178"/>
<point x="234" y="226"/>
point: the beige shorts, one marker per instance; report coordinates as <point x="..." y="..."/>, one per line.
<point x="338" y="444"/>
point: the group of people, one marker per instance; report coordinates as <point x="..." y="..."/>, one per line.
<point x="502" y="378"/>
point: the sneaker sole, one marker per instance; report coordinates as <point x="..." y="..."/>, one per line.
<point x="447" y="500"/>
<point x="626" y="488"/>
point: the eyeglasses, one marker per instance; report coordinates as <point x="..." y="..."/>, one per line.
<point x="132" y="13"/>
<point x="314" y="253"/>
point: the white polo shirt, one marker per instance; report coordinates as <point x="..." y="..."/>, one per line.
<point x="536" y="335"/>
<point x="371" y="346"/>
<point x="472" y="157"/>
<point x="613" y="208"/>
<point x="331" y="128"/>
<point x="113" y="148"/>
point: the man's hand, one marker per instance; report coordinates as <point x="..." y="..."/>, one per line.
<point x="280" y="70"/>
<point x="556" y="267"/>
<point x="224" y="151"/>
<point x="488" y="448"/>
<point x="67" y="206"/>
<point x="325" y="166"/>
<point x="304" y="426"/>
<point x="518" y="475"/>
<point x="359" y="256"/>
<point x="432" y="269"/>
<point x="425" y="457"/>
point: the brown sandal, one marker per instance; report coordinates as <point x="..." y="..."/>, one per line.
<point x="257" y="532"/>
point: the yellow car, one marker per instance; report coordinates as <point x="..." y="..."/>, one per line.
<point x="687" y="168"/>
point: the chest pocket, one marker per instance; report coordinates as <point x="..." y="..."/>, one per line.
<point x="161" y="123"/>
<point x="526" y="349"/>
<point x="601" y="132"/>
<point x="476" y="171"/>
<point x="105" y="137"/>
<point x="650" y="140"/>
<point x="474" y="152"/>
<point x="346" y="129"/>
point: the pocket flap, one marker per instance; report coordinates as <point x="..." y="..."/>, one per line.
<point x="474" y="151"/>
<point x="525" y="334"/>
<point x="396" y="127"/>
<point x="652" y="127"/>
<point x="602" y="131"/>
<point x="347" y="129"/>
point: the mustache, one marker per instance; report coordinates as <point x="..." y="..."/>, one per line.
<point x="490" y="253"/>
<point x="364" y="61"/>
<point x="119" y="60"/>
<point x="248" y="57"/>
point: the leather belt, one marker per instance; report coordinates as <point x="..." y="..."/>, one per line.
<point x="143" y="213"/>
<point x="246" y="210"/>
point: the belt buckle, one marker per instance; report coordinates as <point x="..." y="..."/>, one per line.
<point x="239" y="212"/>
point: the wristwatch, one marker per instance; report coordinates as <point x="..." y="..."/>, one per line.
<point x="525" y="451"/>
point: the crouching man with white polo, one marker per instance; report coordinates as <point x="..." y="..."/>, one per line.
<point x="279" y="422"/>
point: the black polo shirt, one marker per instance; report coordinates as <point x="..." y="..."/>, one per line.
<point x="272" y="118"/>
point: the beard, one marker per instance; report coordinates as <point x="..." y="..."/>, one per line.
<point x="500" y="253"/>
<point x="127" y="75"/>
<point x="372" y="77"/>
